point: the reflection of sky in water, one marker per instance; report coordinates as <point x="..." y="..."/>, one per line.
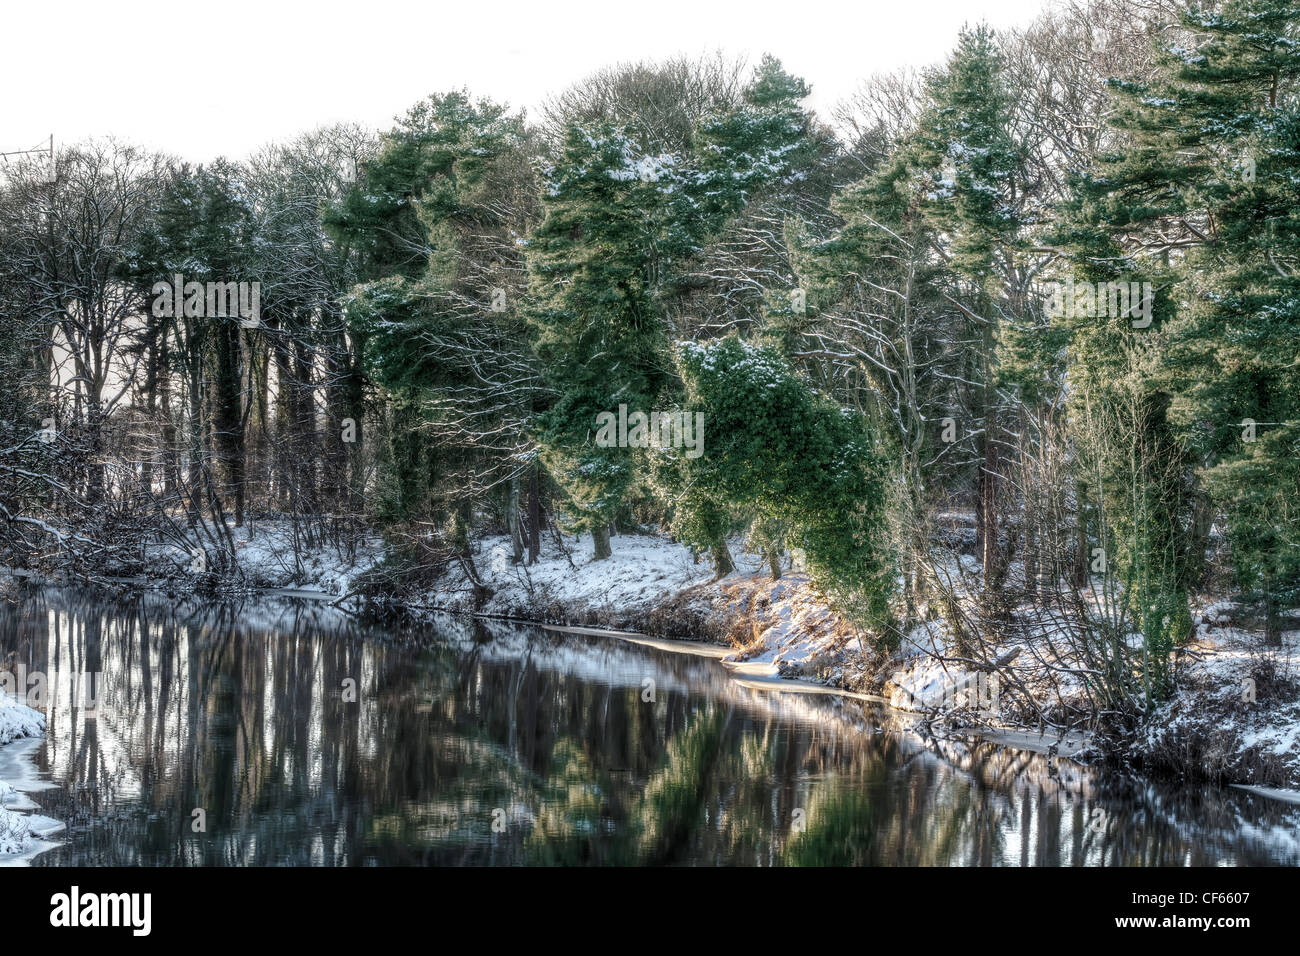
<point x="491" y="744"/>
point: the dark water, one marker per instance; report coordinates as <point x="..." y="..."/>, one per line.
<point x="468" y="744"/>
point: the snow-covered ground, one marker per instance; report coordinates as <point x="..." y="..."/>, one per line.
<point x="778" y="628"/>
<point x="265" y="551"/>
<point x="270" y="554"/>
<point x="15" y="833"/>
<point x="643" y="571"/>
<point x="1236" y="703"/>
<point x="786" y="627"/>
<point x="17" y="721"/>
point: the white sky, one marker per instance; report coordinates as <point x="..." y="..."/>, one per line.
<point x="200" y="80"/>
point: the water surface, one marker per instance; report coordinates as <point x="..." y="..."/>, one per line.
<point x="306" y="738"/>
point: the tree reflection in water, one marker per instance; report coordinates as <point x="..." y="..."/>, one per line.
<point x="476" y="744"/>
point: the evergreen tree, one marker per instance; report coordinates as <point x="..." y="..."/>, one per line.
<point x="1233" y="361"/>
<point x="439" y="218"/>
<point x="768" y="141"/>
<point x="1178" y="201"/>
<point x="973" y="171"/>
<point x="599" y="332"/>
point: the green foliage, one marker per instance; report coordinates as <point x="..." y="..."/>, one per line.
<point x="766" y="142"/>
<point x="435" y="222"/>
<point x="776" y="447"/>
<point x="1202" y="185"/>
<point x="597" y="330"/>
<point x="1166" y="622"/>
<point x="964" y="144"/>
<point x="1235" y="361"/>
<point x="436" y="164"/>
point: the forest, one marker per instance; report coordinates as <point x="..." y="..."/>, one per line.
<point x="1007" y="347"/>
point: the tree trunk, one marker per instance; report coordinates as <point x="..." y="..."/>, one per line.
<point x="355" y="392"/>
<point x="1032" y="564"/>
<point x="1198" y="538"/>
<point x="534" y="516"/>
<point x="1081" y="554"/>
<point x="197" y="444"/>
<point x="286" y="417"/>
<point x="989" y="506"/>
<point x="171" y="454"/>
<point x="305" y="437"/>
<point x="600" y="537"/>
<point x="228" y="419"/>
<point x="722" y="563"/>
<point x="512" y="521"/>
<point x="1272" y="620"/>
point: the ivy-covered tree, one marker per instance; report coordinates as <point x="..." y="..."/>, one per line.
<point x="772" y="445"/>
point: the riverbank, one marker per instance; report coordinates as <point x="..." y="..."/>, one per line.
<point x="1208" y="731"/>
<point x="1235" y="716"/>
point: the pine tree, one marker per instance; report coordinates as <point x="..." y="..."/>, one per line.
<point x="1233" y="361"/>
<point x="760" y="169"/>
<point x="974" y="165"/>
<point x="750" y="169"/>
<point x="594" y="264"/>
<point x="768" y="141"/>
<point x="1191" y="199"/>
<point x="438" y="221"/>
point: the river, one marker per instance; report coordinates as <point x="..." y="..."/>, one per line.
<point x="285" y="732"/>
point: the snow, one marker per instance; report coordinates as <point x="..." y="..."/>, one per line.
<point x="780" y="628"/>
<point x="783" y="629"/>
<point x="927" y="683"/>
<point x="793" y="632"/>
<point x="15" y="832"/>
<point x="16" y="721"/>
<point x="1214" y="697"/>
<point x="265" y="549"/>
<point x="642" y="571"/>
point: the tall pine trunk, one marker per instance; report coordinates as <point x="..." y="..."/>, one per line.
<point x="600" y="538"/>
<point x="534" y="515"/>
<point x="512" y="521"/>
